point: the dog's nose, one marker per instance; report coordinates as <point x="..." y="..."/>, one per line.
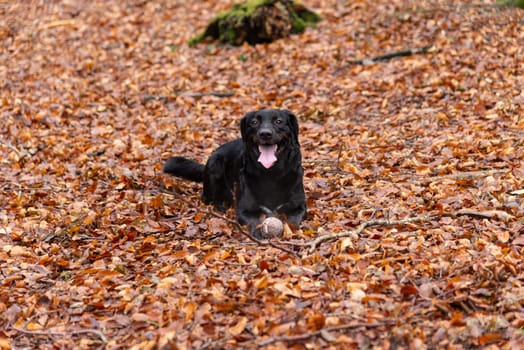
<point x="265" y="134"/>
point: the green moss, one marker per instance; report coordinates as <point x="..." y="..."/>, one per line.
<point x="239" y="23"/>
<point x="298" y="24"/>
<point x="250" y="6"/>
<point x="516" y="3"/>
<point x="303" y="18"/>
<point x="229" y="35"/>
<point x="240" y="11"/>
<point x="310" y="17"/>
<point x="196" y="39"/>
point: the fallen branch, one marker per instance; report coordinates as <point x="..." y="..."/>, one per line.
<point x="486" y="214"/>
<point x="59" y="23"/>
<point x="63" y="334"/>
<point x="376" y="222"/>
<point x="416" y="179"/>
<point x="202" y="94"/>
<point x="324" y="332"/>
<point x="388" y="56"/>
<point x="165" y="98"/>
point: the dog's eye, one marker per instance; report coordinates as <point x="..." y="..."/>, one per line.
<point x="278" y="121"/>
<point x="254" y="122"/>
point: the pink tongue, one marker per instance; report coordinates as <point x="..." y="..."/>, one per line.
<point x="267" y="155"/>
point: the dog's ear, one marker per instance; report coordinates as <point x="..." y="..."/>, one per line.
<point x="293" y="123"/>
<point x="244" y="123"/>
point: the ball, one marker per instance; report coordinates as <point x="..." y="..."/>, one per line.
<point x="272" y="227"/>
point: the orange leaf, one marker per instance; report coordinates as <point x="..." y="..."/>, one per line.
<point x="210" y="256"/>
<point x="457" y="320"/>
<point x="189" y="308"/>
<point x="409" y="290"/>
<point x="4" y="344"/>
<point x="32" y="326"/>
<point x="262" y="282"/>
<point x="239" y="327"/>
<point x="489" y="337"/>
<point x="197" y="218"/>
<point x="316" y="321"/>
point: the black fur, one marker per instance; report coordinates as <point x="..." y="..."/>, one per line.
<point x="259" y="190"/>
<point x="184" y="168"/>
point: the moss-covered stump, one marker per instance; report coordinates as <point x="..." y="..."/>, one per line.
<point x="258" y="21"/>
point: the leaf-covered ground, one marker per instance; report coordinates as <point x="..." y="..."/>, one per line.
<point x="100" y="250"/>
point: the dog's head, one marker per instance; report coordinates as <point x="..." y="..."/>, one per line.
<point x="268" y="132"/>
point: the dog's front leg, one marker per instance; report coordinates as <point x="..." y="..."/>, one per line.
<point x="248" y="208"/>
<point x="252" y="220"/>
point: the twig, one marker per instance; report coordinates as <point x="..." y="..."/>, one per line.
<point x="485" y="214"/>
<point x="413" y="178"/>
<point x="340" y="149"/>
<point x="17" y="151"/>
<point x="63" y="334"/>
<point x="322" y="332"/>
<point x="162" y="98"/>
<point x="212" y="93"/>
<point x="165" y="98"/>
<point x="319" y="161"/>
<point x="419" y="179"/>
<point x="455" y="8"/>
<point x="58" y="23"/>
<point x="388" y="56"/>
<point x="233" y="222"/>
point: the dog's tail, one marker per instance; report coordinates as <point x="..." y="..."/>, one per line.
<point x="185" y="168"/>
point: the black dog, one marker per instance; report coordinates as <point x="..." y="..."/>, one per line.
<point x="265" y="167"/>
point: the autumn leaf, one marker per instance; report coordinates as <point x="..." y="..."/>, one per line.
<point x="238" y="327"/>
<point x="409" y="290"/>
<point x="489" y="338"/>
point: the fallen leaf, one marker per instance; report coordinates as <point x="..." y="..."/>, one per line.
<point x="238" y="327"/>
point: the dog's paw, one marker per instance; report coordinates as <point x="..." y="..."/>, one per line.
<point x="256" y="232"/>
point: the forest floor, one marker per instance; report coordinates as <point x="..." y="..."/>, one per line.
<point x="414" y="173"/>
